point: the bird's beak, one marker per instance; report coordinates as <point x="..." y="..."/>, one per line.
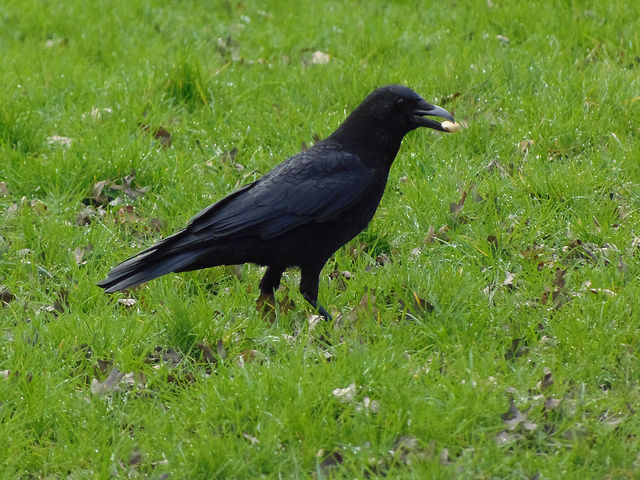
<point x="424" y="109"/>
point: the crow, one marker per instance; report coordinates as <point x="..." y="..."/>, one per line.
<point x="303" y="210"/>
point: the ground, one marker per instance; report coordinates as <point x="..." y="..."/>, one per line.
<point x="486" y="323"/>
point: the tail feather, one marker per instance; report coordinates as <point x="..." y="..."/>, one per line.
<point x="145" y="266"/>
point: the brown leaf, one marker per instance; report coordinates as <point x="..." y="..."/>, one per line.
<point x="4" y="190"/>
<point x="127" y="188"/>
<point x="559" y="294"/>
<point x="97" y="194"/>
<point x="102" y="366"/>
<point x="532" y="253"/>
<point x="126" y="215"/>
<point x="87" y="214"/>
<point x="516" y="350"/>
<point x="495" y="166"/>
<point x="341" y="278"/>
<point x="38" y="206"/>
<point x="6" y="296"/>
<point x="432" y="235"/>
<point x="168" y="355"/>
<point x="230" y="155"/>
<point x="109" y="385"/>
<point x="164" y="136"/>
<point x="382" y="259"/>
<point x="220" y="350"/>
<point x="547" y="380"/>
<point x="513" y="417"/>
<point x="157" y="224"/>
<point x="622" y="266"/>
<point x="552" y="403"/>
<point x="331" y="460"/>
<point x="80" y="252"/>
<point x="367" y="301"/>
<point x="207" y="352"/>
<point x="525" y="145"/>
<point x="456" y="208"/>
<point x="249" y="355"/>
<point x="135" y="458"/>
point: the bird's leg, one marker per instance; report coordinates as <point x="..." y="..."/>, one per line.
<point x="309" y="278"/>
<point x="268" y="285"/>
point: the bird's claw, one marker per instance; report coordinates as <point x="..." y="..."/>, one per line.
<point x="324" y="313"/>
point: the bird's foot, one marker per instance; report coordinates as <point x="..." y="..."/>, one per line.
<point x="324" y="313"/>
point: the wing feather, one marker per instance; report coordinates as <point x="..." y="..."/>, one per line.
<point x="313" y="186"/>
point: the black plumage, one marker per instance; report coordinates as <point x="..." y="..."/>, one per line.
<point x="303" y="210"/>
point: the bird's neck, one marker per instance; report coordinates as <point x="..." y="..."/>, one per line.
<point x="370" y="142"/>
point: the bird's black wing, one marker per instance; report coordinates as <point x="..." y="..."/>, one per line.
<point x="313" y="186"/>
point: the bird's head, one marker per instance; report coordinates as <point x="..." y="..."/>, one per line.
<point x="399" y="107"/>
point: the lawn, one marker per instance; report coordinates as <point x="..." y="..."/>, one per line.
<point x="486" y="324"/>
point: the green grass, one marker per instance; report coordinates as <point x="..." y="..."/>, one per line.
<point x="496" y="318"/>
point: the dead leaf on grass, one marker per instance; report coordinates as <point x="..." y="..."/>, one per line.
<point x="441" y="234"/>
<point x="127" y="216"/>
<point x="514" y="418"/>
<point x="518" y="349"/>
<point x="525" y="145"/>
<point x="87" y="214"/>
<point x="314" y="320"/>
<point x="418" y="305"/>
<point x="126" y="302"/>
<point x="230" y="155"/>
<point x="207" y="352"/>
<point x="38" y="206"/>
<point x="167" y="355"/>
<point x="97" y="113"/>
<point x="508" y="281"/>
<point x="319" y="58"/>
<point x="6" y="296"/>
<point x="126" y="186"/>
<point x="4" y="190"/>
<point x="111" y="384"/>
<point x="252" y="440"/>
<point x="333" y="459"/>
<point x="456" y="208"/>
<point x="547" y="380"/>
<point x="79" y="253"/>
<point x="552" y="403"/>
<point x="163" y="136"/>
<point x="59" y="140"/>
<point x="495" y="166"/>
<point x="346" y="394"/>
<point x="367" y="405"/>
<point x="248" y="356"/>
<point x="366" y="305"/>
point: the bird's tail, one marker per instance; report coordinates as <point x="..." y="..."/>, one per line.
<point x="160" y="259"/>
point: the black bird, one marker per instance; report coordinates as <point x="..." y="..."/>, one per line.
<point x="303" y="210"/>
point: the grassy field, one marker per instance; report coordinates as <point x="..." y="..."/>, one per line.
<point x="487" y="322"/>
